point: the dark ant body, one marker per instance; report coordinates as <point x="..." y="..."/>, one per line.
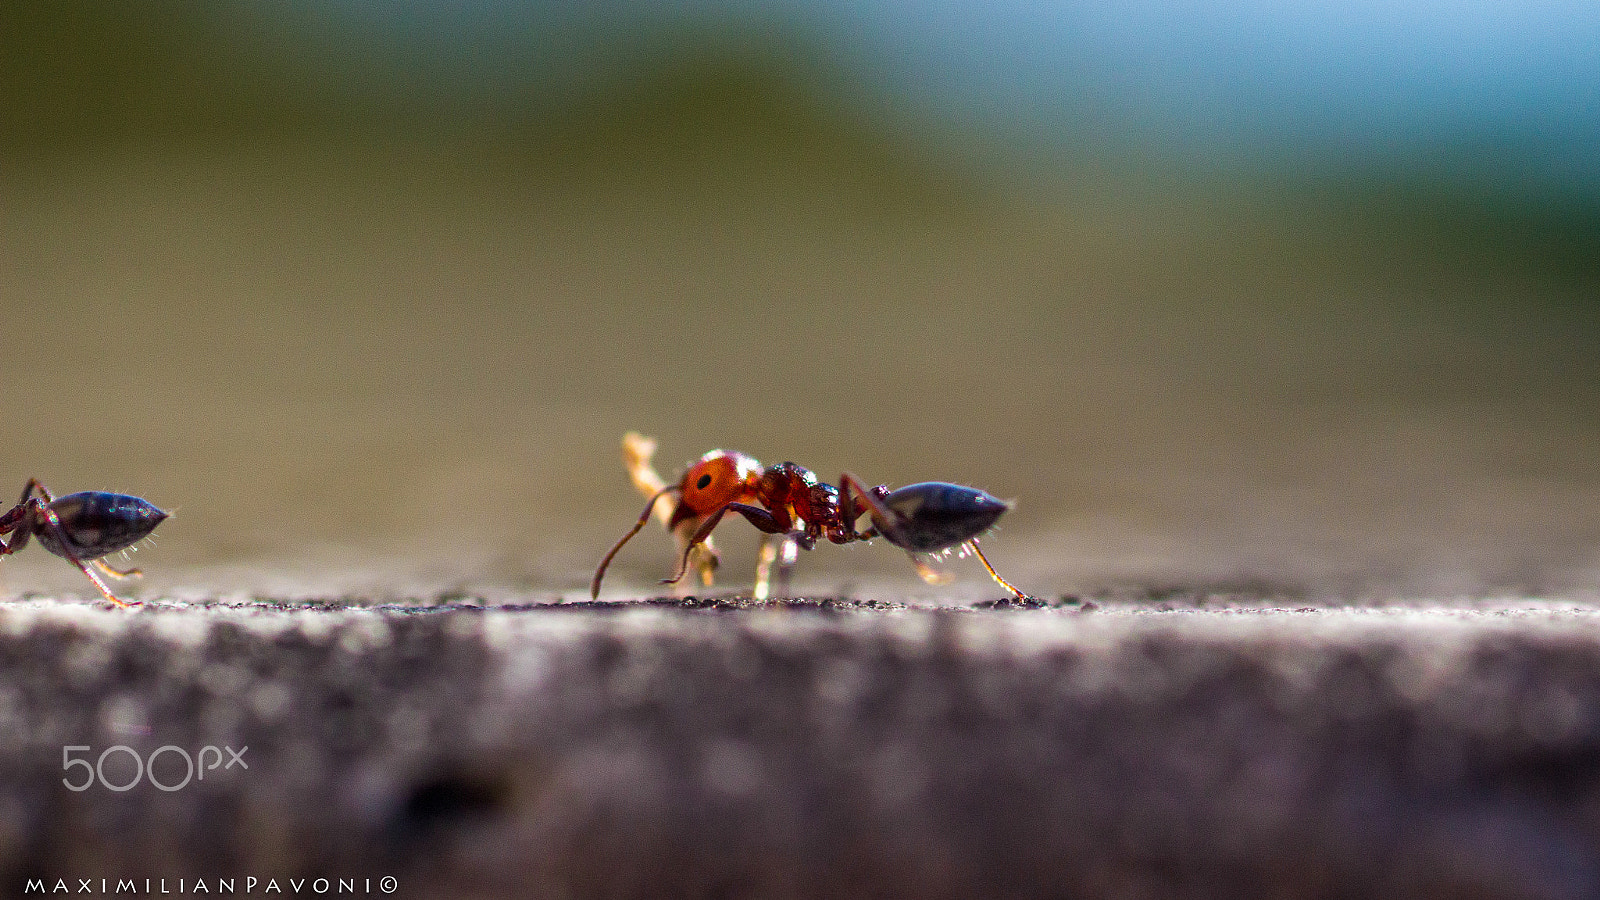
<point x="81" y="528"/>
<point x="788" y="500"/>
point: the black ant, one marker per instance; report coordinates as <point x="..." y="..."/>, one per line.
<point x="81" y="527"/>
<point x="926" y="518"/>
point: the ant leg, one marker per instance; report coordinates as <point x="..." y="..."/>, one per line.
<point x="700" y="534"/>
<point x="103" y="566"/>
<point x="848" y="513"/>
<point x="769" y="553"/>
<point x="104" y="590"/>
<point x="760" y="518"/>
<point x="703" y="557"/>
<point x="600" y="573"/>
<point x="996" y="575"/>
<point x="23" y="518"/>
<point x="637" y="452"/>
<point x="53" y="522"/>
<point x="788" y="552"/>
<point x="928" y="573"/>
<point x="33" y="485"/>
<point x="888" y="522"/>
<point x="19" y="524"/>
<point x="884" y="519"/>
<point x="763" y="519"/>
<point x="780" y="549"/>
<point x="18" y="521"/>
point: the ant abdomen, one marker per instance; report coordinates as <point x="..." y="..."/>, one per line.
<point x="97" y="523"/>
<point x="937" y="515"/>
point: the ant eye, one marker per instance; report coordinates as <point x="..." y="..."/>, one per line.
<point x="704" y="480"/>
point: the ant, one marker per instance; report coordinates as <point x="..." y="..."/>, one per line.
<point x="81" y="527"/>
<point x="926" y="518"/>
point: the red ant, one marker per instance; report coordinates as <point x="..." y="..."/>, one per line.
<point x="81" y="527"/>
<point x="925" y="518"/>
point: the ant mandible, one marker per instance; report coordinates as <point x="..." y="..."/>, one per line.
<point x="925" y="518"/>
<point x="81" y="528"/>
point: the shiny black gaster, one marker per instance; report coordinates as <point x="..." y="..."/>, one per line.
<point x="97" y="523"/>
<point x="937" y="515"/>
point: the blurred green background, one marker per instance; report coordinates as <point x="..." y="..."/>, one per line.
<point x="370" y="294"/>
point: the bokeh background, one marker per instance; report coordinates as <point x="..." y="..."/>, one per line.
<point x="1296" y="297"/>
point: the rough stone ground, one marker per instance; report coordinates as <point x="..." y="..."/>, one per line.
<point x="1089" y="748"/>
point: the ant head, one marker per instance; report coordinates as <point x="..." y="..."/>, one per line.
<point x="716" y="479"/>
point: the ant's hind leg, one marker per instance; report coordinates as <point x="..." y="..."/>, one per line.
<point x="53" y="522"/>
<point x="105" y="567"/>
<point x="32" y="486"/>
<point x="927" y="572"/>
<point x="884" y="519"/>
<point x="104" y="590"/>
<point x="996" y="575"/>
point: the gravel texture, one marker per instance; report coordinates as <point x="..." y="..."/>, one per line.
<point x="806" y="749"/>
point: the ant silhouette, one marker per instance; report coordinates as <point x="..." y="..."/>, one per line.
<point x="923" y="519"/>
<point x="81" y="528"/>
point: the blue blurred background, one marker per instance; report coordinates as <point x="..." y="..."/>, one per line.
<point x="1260" y="295"/>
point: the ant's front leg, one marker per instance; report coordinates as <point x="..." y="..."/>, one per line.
<point x="762" y="519"/>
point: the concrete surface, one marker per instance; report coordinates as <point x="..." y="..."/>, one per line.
<point x="1195" y="747"/>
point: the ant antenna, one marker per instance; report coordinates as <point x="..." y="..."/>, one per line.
<point x="600" y="573"/>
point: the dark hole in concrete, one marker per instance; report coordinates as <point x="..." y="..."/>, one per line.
<point x="450" y="798"/>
